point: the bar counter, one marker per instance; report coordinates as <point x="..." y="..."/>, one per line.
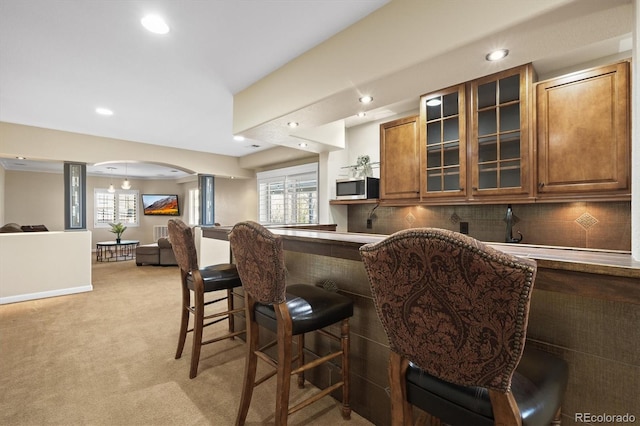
<point x="585" y="308"/>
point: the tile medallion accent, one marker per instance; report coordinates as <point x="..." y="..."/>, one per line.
<point x="586" y="221"/>
<point x="410" y="219"/>
<point x="454" y="218"/>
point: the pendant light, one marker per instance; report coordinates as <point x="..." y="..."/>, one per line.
<point x="111" y="188"/>
<point x="126" y="184"/>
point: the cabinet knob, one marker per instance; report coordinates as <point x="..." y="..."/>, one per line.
<point x="540" y="185"/>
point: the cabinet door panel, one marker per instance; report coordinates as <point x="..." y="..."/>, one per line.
<point x="500" y="136"/>
<point x="443" y="144"/>
<point x="583" y="132"/>
<point x="400" y="159"/>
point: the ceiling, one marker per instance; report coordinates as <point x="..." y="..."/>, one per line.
<point x="59" y="60"/>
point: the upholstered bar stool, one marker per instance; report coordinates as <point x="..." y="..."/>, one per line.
<point x="455" y="312"/>
<point x="199" y="281"/>
<point x="288" y="311"/>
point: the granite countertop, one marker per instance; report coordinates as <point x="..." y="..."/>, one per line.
<point x="606" y="262"/>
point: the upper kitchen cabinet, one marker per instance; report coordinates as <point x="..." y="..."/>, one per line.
<point x="583" y="136"/>
<point x="443" y="144"/>
<point x="499" y="142"/>
<point x="400" y="159"/>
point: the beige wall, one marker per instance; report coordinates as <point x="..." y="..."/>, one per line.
<point x="236" y="200"/>
<point x="37" y="143"/>
<point x="38" y="198"/>
<point x="35" y="199"/>
<point x="30" y="198"/>
<point x="2" y="191"/>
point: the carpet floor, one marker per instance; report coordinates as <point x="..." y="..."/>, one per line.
<point x="106" y="357"/>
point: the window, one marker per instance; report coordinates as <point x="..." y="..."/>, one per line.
<point x="119" y="206"/>
<point x="194" y="207"/>
<point x="289" y="195"/>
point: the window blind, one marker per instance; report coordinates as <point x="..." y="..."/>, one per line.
<point x="120" y="206"/>
<point x="289" y="195"/>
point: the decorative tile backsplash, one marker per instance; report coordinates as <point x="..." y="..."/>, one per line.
<point x="586" y="220"/>
<point x="580" y="224"/>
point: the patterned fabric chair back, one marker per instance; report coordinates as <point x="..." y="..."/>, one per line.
<point x="259" y="258"/>
<point x="184" y="248"/>
<point x="453" y="306"/>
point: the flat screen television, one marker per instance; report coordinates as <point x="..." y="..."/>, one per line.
<point x="160" y="204"/>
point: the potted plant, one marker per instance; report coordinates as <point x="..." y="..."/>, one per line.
<point x="118" y="229"/>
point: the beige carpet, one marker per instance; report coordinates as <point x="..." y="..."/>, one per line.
<point x="107" y="358"/>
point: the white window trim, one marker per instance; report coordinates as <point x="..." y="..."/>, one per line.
<point x="105" y="225"/>
<point x="282" y="174"/>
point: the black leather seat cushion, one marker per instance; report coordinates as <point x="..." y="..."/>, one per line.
<point x="537" y="386"/>
<point x="310" y="307"/>
<point x="217" y="277"/>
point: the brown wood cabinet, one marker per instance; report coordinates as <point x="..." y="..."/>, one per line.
<point x="443" y="144"/>
<point x="500" y="138"/>
<point x="583" y="133"/>
<point x="400" y="159"/>
<point x="480" y="142"/>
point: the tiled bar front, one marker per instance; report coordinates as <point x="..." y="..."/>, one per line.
<point x="573" y="314"/>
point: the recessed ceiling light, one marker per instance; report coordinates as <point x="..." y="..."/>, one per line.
<point x="361" y="114"/>
<point x="292" y="124"/>
<point x="21" y="158"/>
<point x="104" y="111"/>
<point x="302" y="145"/>
<point x="434" y="102"/>
<point x="238" y="138"/>
<point x="496" y="55"/>
<point x="366" y="99"/>
<point x="155" y="24"/>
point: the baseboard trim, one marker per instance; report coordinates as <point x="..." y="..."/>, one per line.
<point x="45" y="294"/>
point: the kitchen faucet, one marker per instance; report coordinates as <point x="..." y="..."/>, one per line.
<point x="509" y="235"/>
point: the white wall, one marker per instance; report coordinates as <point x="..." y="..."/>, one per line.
<point x="360" y="140"/>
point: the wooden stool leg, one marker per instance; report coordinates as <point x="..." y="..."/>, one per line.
<point x="344" y="342"/>
<point x="301" y="360"/>
<point x="184" y="316"/>
<point x="198" y="324"/>
<point x="285" y="349"/>
<point x="230" y="318"/>
<point x="251" y="363"/>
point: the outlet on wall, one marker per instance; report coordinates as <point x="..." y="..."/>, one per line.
<point x="464" y="228"/>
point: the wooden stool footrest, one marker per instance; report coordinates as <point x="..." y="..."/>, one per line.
<point x="226" y="336"/>
<point x="316" y="363"/>
<point x="315" y="397"/>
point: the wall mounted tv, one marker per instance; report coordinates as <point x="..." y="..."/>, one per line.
<point x="160" y="205"/>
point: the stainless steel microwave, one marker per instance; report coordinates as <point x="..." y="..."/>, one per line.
<point x="357" y="188"/>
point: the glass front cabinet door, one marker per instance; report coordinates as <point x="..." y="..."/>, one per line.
<point x="500" y="139"/>
<point x="443" y="143"/>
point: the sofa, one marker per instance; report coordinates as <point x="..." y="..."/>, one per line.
<point x="14" y="227"/>
<point x="160" y="253"/>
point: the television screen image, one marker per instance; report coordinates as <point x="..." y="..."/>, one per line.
<point x="160" y="204"/>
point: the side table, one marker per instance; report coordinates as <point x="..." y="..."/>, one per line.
<point x="112" y="251"/>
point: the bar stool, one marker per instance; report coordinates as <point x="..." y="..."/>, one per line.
<point x="455" y="312"/>
<point x="200" y="281"/>
<point x="288" y="311"/>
